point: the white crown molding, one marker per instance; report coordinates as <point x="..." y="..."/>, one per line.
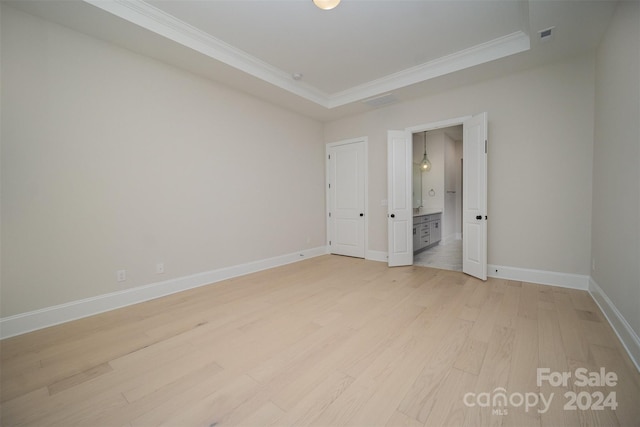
<point x="153" y="19"/>
<point x="485" y="52"/>
<point x="50" y="316"/>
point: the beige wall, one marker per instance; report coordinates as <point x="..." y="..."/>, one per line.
<point x="616" y="176"/>
<point x="540" y="161"/>
<point x="112" y="160"/>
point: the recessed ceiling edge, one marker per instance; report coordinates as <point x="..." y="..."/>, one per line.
<point x="153" y="19"/>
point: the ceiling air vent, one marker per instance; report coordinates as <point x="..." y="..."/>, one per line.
<point x="381" y="100"/>
<point x="546" y="35"/>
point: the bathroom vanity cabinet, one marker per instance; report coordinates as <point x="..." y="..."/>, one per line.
<point x="427" y="230"/>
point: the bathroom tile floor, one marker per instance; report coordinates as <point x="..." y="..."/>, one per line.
<point x="444" y="256"/>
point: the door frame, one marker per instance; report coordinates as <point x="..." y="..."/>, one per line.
<point x="441" y="124"/>
<point x="328" y="147"/>
<point x="438" y="125"/>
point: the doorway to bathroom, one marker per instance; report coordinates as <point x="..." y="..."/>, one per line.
<point x="437" y="198"/>
<point x="400" y="211"/>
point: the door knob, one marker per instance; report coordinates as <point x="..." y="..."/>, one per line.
<point x="361" y="214"/>
<point x="479" y="217"/>
<point x="393" y="215"/>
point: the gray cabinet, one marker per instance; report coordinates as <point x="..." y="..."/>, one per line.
<point x="427" y="231"/>
<point x="425" y="234"/>
<point x="435" y="230"/>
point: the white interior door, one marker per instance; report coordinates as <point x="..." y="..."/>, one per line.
<point x="399" y="214"/>
<point x="346" y="177"/>
<point x="474" y="194"/>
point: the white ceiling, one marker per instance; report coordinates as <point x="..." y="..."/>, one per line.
<point x="351" y="45"/>
<point x="360" y="50"/>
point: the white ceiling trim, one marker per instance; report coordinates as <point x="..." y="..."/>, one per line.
<point x="495" y="49"/>
<point x="153" y="19"/>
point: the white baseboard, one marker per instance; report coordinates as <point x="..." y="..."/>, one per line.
<point x="376" y="256"/>
<point x="623" y="330"/>
<point x="50" y="316"/>
<point x="39" y="319"/>
<point x="564" y="280"/>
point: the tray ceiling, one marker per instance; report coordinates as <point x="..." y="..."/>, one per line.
<point x="360" y="50"/>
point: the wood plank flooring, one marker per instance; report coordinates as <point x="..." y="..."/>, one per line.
<point x="330" y="341"/>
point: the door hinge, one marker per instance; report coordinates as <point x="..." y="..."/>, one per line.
<point x="329" y="214"/>
<point x="329" y="242"/>
<point x="329" y="185"/>
<point x="329" y="156"/>
<point x="485" y="146"/>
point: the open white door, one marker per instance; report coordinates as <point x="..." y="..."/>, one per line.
<point x="474" y="197"/>
<point x="399" y="214"/>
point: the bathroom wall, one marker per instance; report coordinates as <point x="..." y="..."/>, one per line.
<point x="434" y="179"/>
<point x="451" y="177"/>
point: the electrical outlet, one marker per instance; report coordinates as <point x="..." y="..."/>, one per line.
<point x="160" y="268"/>
<point x="121" y="275"/>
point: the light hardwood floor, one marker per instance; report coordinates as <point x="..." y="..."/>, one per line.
<point x="330" y="341"/>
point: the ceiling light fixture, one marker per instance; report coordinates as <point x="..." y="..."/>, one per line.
<point x="326" y="4"/>
<point x="425" y="166"/>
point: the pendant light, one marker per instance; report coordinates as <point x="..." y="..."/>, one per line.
<point x="326" y="4"/>
<point x="425" y="166"/>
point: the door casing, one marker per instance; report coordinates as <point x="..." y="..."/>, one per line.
<point x="439" y="125"/>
